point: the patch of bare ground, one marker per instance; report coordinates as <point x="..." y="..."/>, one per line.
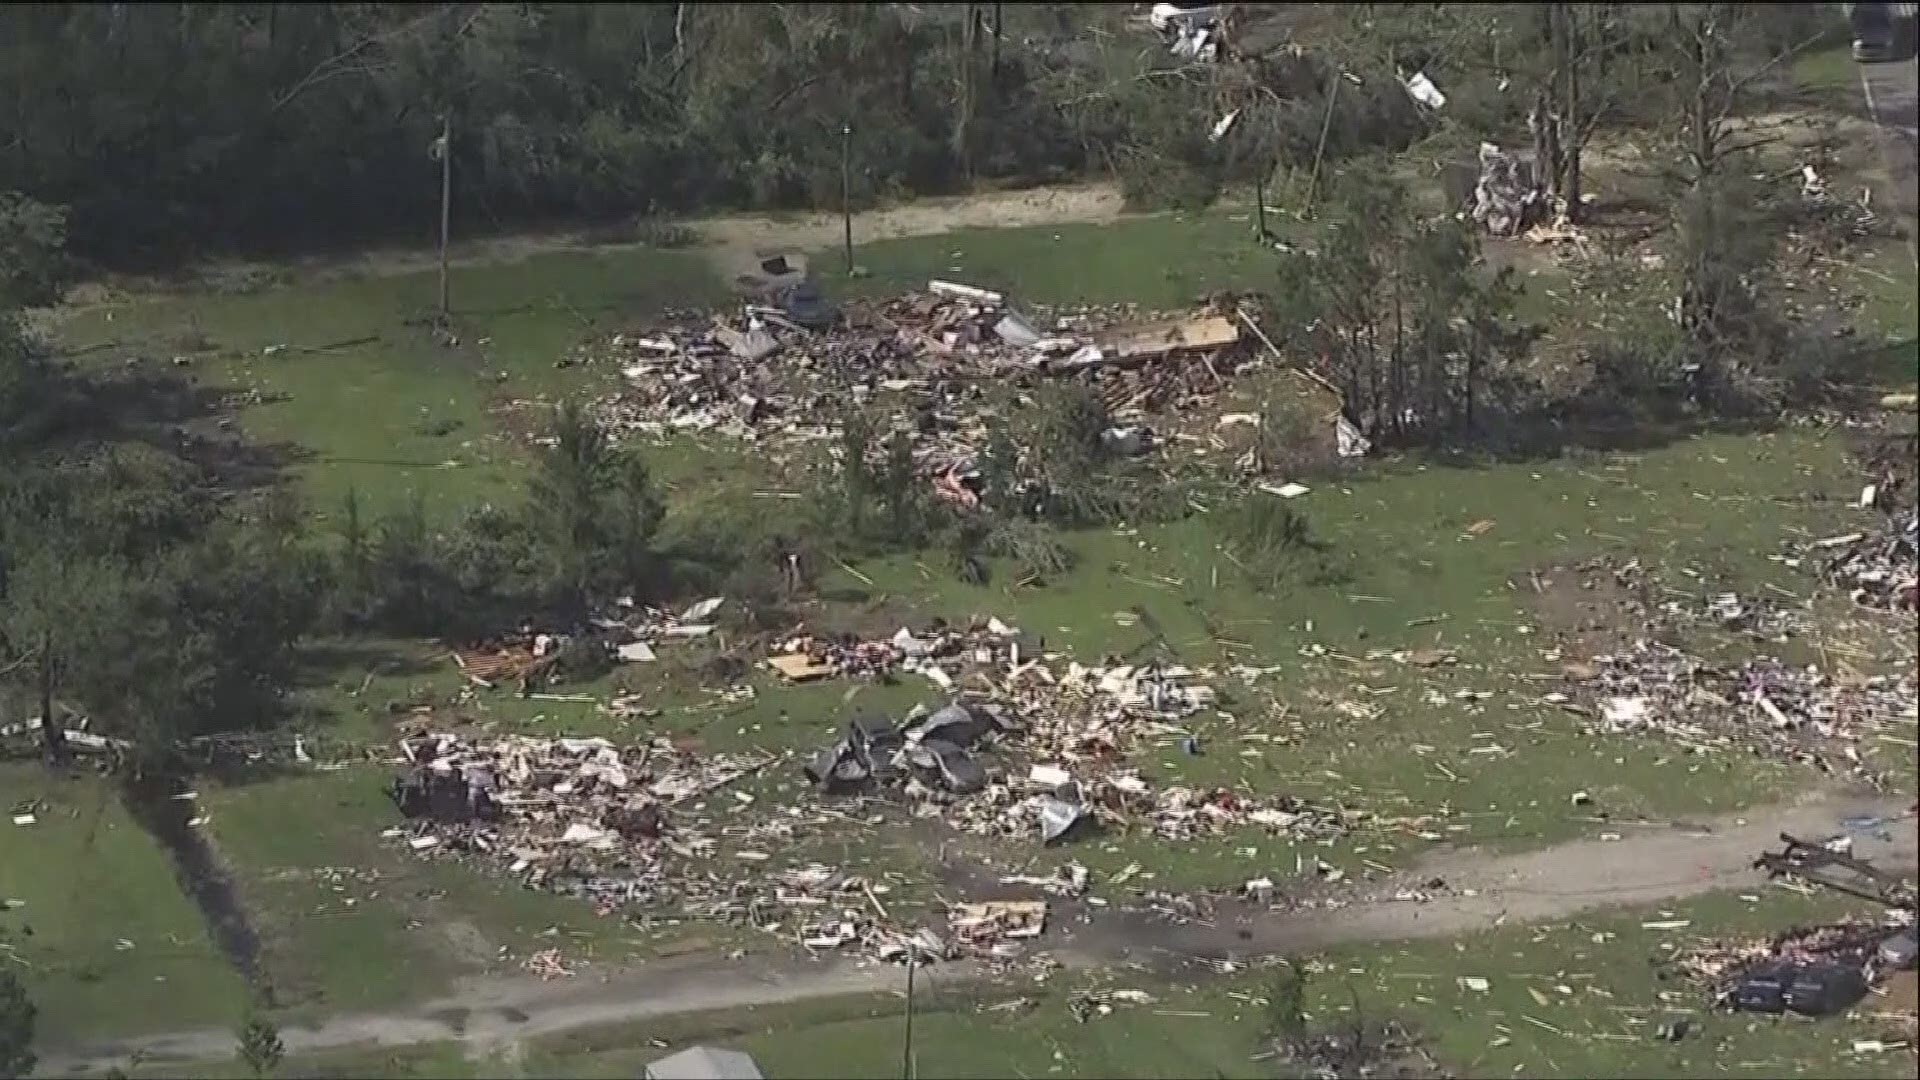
<point x="1586" y="610"/>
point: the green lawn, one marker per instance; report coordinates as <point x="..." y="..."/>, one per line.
<point x="1830" y="73"/>
<point x="94" y="921"/>
<point x="1885" y="277"/>
<point x="399" y="413"/>
<point x="1159" y="261"/>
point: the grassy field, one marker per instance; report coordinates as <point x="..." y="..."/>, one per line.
<point x="354" y="385"/>
<point x="90" y="912"/>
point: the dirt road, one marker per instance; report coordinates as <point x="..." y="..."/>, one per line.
<point x="1892" y="93"/>
<point x="727" y="240"/>
<point x="1648" y="864"/>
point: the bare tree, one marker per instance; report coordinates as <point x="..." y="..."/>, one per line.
<point x="1716" y="55"/>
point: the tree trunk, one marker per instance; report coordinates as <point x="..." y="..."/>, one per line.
<point x="963" y="111"/>
<point x="1574" y="140"/>
<point x="1540" y="124"/>
<point x="996" y="45"/>
<point x="53" y="736"/>
<point x="1557" y="95"/>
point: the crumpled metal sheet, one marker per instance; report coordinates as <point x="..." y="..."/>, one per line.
<point x="1061" y="812"/>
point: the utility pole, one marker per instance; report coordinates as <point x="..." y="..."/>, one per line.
<point x="1260" y="205"/>
<point x="906" y="1050"/>
<point x="446" y="208"/>
<point x="1320" y="150"/>
<point x="846" y="192"/>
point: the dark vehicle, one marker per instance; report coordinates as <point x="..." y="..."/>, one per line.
<point x="1881" y="32"/>
<point x="1810" y="989"/>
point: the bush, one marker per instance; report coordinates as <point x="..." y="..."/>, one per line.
<point x="967" y="550"/>
<point x="1291" y="440"/>
<point x="583" y="658"/>
<point x="1036" y="550"/>
<point x="1273" y="544"/>
<point x="665" y="235"/>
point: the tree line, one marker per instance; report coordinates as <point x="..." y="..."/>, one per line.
<point x="171" y="129"/>
<point x="170" y="126"/>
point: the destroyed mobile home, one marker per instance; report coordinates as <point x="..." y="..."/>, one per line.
<point x="1039" y="753"/>
<point x="946" y="358"/>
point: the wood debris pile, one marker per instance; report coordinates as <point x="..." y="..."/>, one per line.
<point x="944" y="654"/>
<point x="1851" y="941"/>
<point x="933" y="356"/>
<point x="1879" y="568"/>
<point x="574" y="816"/>
<point x="1762" y="705"/>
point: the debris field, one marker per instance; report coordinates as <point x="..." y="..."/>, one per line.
<point x="952" y="361"/>
<point x="1029" y="747"/>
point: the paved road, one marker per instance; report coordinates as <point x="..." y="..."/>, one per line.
<point x="1648" y="865"/>
<point x="1892" y="94"/>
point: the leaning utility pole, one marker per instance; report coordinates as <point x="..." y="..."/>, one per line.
<point x="846" y="191"/>
<point x="1320" y="148"/>
<point x="445" y="147"/>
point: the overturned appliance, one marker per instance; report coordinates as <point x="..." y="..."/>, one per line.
<point x="1810" y="988"/>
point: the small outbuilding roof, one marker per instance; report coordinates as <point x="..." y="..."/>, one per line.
<point x="705" y="1063"/>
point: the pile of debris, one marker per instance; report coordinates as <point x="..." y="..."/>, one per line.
<point x="777" y="382"/>
<point x="531" y="658"/>
<point x="1505" y="198"/>
<point x="1757" y="618"/>
<point x="585" y="818"/>
<point x="1189" y="33"/>
<point x="576" y="816"/>
<point x="1879" y="568"/>
<point x="933" y="748"/>
<point x="1814" y="971"/>
<point x="1763" y="706"/>
<point x="1061" y="744"/>
<point x="943" y="654"/>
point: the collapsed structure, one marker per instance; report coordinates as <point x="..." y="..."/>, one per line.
<point x="948" y="361"/>
<point x="1026" y="746"/>
<point x="1878" y="568"/>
